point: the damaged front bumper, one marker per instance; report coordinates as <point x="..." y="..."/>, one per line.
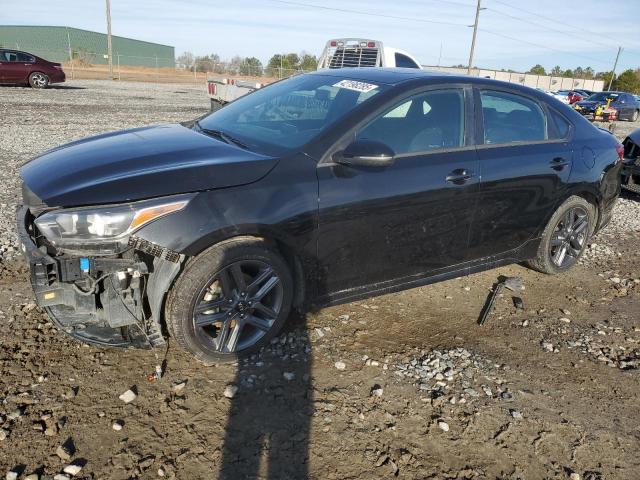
<point x="106" y="300"/>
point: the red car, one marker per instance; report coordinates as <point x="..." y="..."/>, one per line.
<point x="21" y="68"/>
<point x="578" y="95"/>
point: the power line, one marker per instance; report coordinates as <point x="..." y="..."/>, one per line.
<point x="369" y="14"/>
<point x="546" y="27"/>
<point x="490" y="32"/>
<point x="551" y="19"/>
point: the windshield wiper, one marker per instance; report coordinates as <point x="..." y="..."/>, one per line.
<point x="220" y="135"/>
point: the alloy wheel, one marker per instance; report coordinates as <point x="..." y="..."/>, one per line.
<point x="39" y="80"/>
<point x="569" y="237"/>
<point x="238" y="306"/>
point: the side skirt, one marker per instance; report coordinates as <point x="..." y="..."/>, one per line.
<point x="525" y="252"/>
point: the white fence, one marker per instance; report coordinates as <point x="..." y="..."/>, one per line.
<point x="545" y="82"/>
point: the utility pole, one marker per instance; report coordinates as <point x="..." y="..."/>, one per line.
<point x="70" y="52"/>
<point x="109" y="39"/>
<point x="473" y="39"/>
<point x="615" y="64"/>
<point x="440" y="56"/>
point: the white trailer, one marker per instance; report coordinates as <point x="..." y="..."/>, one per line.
<point x="337" y="53"/>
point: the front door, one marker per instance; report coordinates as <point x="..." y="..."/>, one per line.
<point x="382" y="226"/>
<point x="525" y="162"/>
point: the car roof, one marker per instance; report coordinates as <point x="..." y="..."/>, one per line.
<point x="398" y="76"/>
<point x="395" y="76"/>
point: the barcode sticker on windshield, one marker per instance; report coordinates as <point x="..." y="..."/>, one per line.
<point x="356" y="86"/>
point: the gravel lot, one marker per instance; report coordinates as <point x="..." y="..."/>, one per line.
<point x="403" y="385"/>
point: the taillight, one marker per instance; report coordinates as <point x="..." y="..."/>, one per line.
<point x="371" y="44"/>
<point x="620" y="151"/>
<point x="334" y="43"/>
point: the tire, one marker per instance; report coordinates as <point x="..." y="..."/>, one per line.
<point x="238" y="321"/>
<point x="38" y="80"/>
<point x="636" y="113"/>
<point x="580" y="216"/>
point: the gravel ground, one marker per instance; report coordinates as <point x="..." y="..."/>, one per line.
<point x="405" y="385"/>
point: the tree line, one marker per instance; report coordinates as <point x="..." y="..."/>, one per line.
<point x="628" y="81"/>
<point x="285" y="64"/>
<point x="278" y="66"/>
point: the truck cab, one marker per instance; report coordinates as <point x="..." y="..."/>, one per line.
<point x="360" y="52"/>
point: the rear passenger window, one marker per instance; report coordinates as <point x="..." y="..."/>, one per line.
<point x="23" y="57"/>
<point x="510" y="118"/>
<point x="432" y="120"/>
<point x="561" y="124"/>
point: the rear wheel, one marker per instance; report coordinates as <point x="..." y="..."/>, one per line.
<point x="565" y="236"/>
<point x="635" y="115"/>
<point x="230" y="301"/>
<point x="38" y="80"/>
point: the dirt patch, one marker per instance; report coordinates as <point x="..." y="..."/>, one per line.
<point x="406" y="385"/>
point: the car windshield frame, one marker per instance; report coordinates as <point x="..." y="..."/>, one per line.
<point x="304" y="107"/>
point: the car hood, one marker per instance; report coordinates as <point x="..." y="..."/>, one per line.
<point x="139" y="163"/>
<point x="592" y="103"/>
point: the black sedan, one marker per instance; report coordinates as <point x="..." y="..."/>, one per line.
<point x="631" y="167"/>
<point x="320" y="189"/>
<point x="627" y="106"/>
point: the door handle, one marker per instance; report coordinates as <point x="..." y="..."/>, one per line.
<point x="558" y="163"/>
<point x="459" y="176"/>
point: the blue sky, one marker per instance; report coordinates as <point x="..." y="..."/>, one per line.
<point x="263" y="27"/>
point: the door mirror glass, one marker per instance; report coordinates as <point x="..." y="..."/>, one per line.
<point x="365" y="153"/>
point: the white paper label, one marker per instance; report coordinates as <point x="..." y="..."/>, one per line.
<point x="356" y="86"/>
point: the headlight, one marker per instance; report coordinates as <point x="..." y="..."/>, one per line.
<point x="103" y="230"/>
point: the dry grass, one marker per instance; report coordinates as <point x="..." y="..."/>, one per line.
<point x="143" y="74"/>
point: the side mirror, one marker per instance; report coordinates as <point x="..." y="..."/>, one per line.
<point x="365" y="153"/>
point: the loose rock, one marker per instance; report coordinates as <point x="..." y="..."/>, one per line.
<point x="72" y="470"/>
<point x="444" y="426"/>
<point x="230" y="391"/>
<point x="63" y="453"/>
<point x="128" y="396"/>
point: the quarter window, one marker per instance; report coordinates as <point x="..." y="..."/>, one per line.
<point x="509" y="118"/>
<point x="432" y="120"/>
<point x="562" y="126"/>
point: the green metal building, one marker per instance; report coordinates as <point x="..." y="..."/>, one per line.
<point x="58" y="44"/>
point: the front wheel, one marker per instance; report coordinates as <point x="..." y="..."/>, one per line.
<point x="635" y="115"/>
<point x="230" y="301"/>
<point x="38" y="80"/>
<point x="565" y="237"/>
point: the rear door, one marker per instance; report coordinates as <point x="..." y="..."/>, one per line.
<point x="524" y="162"/>
<point x="380" y="226"/>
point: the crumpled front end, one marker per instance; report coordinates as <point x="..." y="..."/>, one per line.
<point x="631" y="166"/>
<point x="105" y="299"/>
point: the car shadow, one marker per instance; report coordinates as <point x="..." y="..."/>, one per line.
<point x="267" y="430"/>
<point x="628" y="195"/>
<point x="65" y="87"/>
<point x="49" y="87"/>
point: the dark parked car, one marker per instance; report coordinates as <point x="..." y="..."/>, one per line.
<point x="631" y="168"/>
<point x="20" y="68"/>
<point x="626" y="104"/>
<point x="321" y="189"/>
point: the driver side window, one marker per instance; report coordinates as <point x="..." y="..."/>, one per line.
<point x="432" y="120"/>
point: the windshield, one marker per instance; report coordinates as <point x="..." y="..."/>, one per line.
<point x="603" y="96"/>
<point x="290" y="113"/>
